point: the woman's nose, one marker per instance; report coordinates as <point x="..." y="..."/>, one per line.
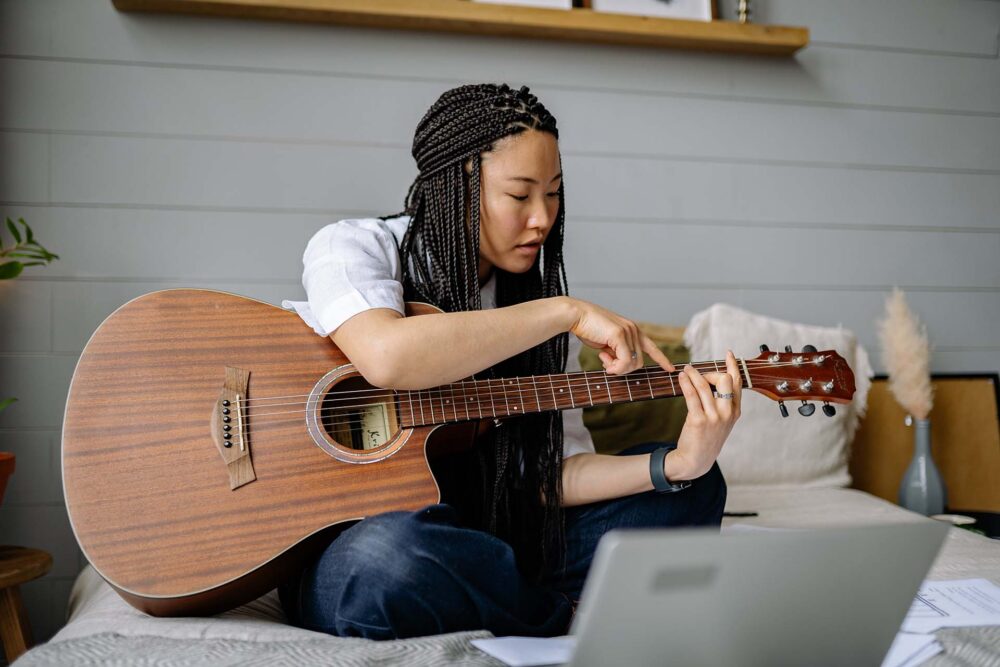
<point x="539" y="219"/>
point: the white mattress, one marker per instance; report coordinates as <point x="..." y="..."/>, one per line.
<point x="96" y="609"/>
<point x="964" y="554"/>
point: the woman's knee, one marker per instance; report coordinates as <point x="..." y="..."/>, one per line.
<point x="346" y="590"/>
<point x="378" y="579"/>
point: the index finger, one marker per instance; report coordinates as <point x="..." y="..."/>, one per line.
<point x="650" y="348"/>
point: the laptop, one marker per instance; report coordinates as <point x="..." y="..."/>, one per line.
<point x="693" y="596"/>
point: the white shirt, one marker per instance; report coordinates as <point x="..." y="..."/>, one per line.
<point x="353" y="265"/>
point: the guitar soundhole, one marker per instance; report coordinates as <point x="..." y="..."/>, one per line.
<point x="358" y="416"/>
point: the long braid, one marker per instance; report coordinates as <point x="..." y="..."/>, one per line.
<point x="440" y="260"/>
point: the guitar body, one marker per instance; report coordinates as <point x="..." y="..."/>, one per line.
<point x="150" y="494"/>
<point x="213" y="443"/>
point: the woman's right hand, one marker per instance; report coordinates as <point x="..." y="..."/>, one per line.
<point x="617" y="338"/>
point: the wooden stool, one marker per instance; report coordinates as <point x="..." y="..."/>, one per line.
<point x="18" y="565"/>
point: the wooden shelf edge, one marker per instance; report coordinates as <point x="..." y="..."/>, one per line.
<point x="464" y="16"/>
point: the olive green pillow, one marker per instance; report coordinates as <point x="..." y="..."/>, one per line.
<point x="618" y="426"/>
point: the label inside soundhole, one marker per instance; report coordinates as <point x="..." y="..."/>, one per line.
<point x="358" y="416"/>
<point x="374" y="427"/>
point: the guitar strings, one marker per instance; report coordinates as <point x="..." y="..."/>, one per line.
<point x="493" y="395"/>
<point x="699" y="365"/>
<point x="442" y="408"/>
<point x="493" y="392"/>
<point x="648" y="370"/>
<point x="341" y="421"/>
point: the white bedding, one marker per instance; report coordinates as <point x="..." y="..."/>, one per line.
<point x="96" y="610"/>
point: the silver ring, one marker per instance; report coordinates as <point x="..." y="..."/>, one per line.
<point x="718" y="395"/>
<point x="635" y="355"/>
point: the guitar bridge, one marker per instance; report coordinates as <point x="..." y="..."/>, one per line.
<point x="229" y="428"/>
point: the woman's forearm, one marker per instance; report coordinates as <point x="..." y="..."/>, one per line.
<point x="430" y="350"/>
<point x="588" y="478"/>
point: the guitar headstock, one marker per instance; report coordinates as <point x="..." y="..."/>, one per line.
<point x="809" y="375"/>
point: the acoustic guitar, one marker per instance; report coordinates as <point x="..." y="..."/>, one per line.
<point x="212" y="443"/>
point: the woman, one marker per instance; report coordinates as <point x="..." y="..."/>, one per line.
<point x="483" y="226"/>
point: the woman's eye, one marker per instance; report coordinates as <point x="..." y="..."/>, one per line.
<point x="524" y="197"/>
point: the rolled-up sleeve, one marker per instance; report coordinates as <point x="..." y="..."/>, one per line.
<point x="348" y="267"/>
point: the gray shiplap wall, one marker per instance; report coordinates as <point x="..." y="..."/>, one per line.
<point x="155" y="151"/>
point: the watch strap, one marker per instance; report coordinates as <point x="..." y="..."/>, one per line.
<point x="656" y="473"/>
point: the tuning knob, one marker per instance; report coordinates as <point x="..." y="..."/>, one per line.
<point x="828" y="409"/>
<point x="806" y="409"/>
<point x="788" y="348"/>
<point x="809" y="348"/>
<point x="782" y="409"/>
<point x="764" y="348"/>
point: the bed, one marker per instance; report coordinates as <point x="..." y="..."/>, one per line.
<point x="792" y="472"/>
<point x="103" y="629"/>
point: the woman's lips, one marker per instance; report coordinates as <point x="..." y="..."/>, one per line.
<point x="528" y="248"/>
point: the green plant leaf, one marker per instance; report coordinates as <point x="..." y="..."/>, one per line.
<point x="6" y="401"/>
<point x="10" y="270"/>
<point x="27" y="230"/>
<point x="28" y="253"/>
<point x="13" y="230"/>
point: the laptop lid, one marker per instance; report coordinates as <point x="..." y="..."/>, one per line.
<point x="693" y="596"/>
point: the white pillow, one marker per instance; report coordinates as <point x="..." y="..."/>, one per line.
<point x="764" y="448"/>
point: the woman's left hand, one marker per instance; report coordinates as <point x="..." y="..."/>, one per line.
<point x="710" y="418"/>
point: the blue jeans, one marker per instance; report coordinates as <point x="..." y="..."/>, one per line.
<point x="409" y="574"/>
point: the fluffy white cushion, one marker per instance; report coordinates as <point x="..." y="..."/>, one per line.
<point x="765" y="448"/>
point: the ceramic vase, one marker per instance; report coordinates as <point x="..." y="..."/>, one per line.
<point x="922" y="489"/>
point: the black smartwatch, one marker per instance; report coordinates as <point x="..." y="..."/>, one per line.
<point x="660" y="482"/>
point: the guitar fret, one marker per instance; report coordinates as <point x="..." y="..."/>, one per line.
<point x="503" y="388"/>
<point x="628" y="390"/>
<point x="552" y="388"/>
<point x="489" y="385"/>
<point x="413" y="418"/>
<point x="607" y="386"/>
<point x="479" y="401"/>
<point x="650" y="385"/>
<point x="454" y="408"/>
<point x="538" y="400"/>
<point x="430" y="401"/>
<point x="586" y="380"/>
<point x="569" y="388"/>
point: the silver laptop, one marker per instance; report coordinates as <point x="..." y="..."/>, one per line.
<point x="834" y="596"/>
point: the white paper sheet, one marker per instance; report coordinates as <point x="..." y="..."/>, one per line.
<point x="528" y="651"/>
<point x="955" y="603"/>
<point x="910" y="650"/>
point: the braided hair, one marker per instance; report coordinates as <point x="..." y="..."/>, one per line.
<point x="440" y="260"/>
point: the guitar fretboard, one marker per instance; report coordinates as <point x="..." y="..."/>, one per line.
<point x="504" y="397"/>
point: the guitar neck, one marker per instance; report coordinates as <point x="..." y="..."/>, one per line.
<point x="505" y="397"/>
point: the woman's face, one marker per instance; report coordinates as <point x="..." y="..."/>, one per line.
<point x="519" y="201"/>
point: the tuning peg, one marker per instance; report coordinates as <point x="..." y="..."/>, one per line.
<point x="809" y="348"/>
<point x="806" y="409"/>
<point x="828" y="409"/>
<point x="782" y="408"/>
<point x="788" y="348"/>
<point x="764" y="348"/>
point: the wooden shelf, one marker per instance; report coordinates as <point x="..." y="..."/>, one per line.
<point x="581" y="25"/>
